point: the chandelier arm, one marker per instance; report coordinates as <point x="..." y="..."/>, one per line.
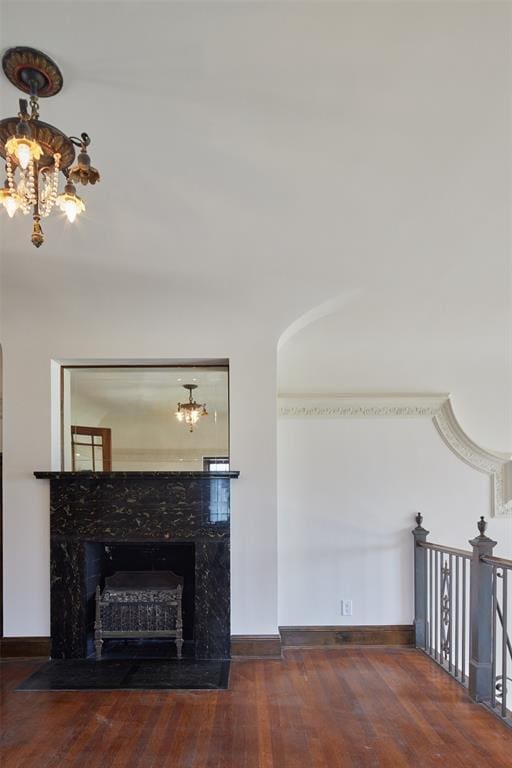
<point x="83" y="142"/>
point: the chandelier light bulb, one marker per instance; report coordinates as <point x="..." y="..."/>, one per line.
<point x="24" y="150"/>
<point x="10" y="200"/>
<point x="11" y="206"/>
<point x="70" y="203"/>
<point x="23" y="154"/>
<point x="70" y="210"/>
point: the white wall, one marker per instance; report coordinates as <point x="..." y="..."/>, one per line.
<point x="27" y="447"/>
<point x="348" y="491"/>
<point x="369" y="346"/>
<point x="362" y="151"/>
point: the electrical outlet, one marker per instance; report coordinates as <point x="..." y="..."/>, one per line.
<point x="346" y="607"/>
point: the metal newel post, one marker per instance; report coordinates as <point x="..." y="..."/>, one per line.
<point x="480" y="617"/>
<point x="420" y="584"/>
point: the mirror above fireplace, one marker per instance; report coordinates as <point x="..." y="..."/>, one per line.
<point x="145" y="418"/>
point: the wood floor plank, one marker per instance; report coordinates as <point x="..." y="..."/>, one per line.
<point x="327" y="708"/>
<point x="326" y="712"/>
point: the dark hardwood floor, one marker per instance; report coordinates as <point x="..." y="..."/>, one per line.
<point x="346" y="708"/>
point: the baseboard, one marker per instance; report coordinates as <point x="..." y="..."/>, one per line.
<point x="255" y="647"/>
<point x="25" y="647"/>
<point x="242" y="646"/>
<point x="324" y="637"/>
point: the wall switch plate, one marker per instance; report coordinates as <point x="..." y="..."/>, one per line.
<point x="346" y="607"/>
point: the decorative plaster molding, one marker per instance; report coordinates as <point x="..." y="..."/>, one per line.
<point x="360" y="406"/>
<point x="498" y="466"/>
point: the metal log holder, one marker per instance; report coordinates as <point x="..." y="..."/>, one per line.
<point x="139" y="604"/>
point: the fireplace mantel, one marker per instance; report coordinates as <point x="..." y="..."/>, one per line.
<point x="61" y="475"/>
<point x="89" y="510"/>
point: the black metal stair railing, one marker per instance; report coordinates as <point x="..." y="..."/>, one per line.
<point x="461" y="615"/>
<point x="447" y="635"/>
<point x="501" y="644"/>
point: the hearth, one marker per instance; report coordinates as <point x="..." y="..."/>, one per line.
<point x="128" y="674"/>
<point x="102" y="523"/>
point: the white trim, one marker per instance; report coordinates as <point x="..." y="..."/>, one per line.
<point x="498" y="466"/>
<point x="359" y="406"/>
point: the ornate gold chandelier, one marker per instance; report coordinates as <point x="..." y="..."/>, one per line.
<point x="36" y="152"/>
<point x="191" y="412"/>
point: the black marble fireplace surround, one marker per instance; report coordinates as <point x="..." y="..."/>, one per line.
<point x="171" y="520"/>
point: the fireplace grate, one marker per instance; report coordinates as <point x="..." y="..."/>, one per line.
<point x="139" y="604"/>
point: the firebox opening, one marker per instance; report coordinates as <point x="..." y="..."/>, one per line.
<point x="103" y="559"/>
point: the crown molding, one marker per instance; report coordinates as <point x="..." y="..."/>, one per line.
<point x="359" y="406"/>
<point x="437" y="407"/>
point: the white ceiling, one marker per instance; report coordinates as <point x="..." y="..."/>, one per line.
<point x="276" y="156"/>
<point x="159" y="388"/>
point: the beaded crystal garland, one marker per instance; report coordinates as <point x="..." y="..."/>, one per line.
<point x="24" y="192"/>
<point x="36" y="153"/>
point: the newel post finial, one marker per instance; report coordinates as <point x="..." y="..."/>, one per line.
<point x="482" y="525"/>
<point x="419" y="531"/>
<point x="420" y="582"/>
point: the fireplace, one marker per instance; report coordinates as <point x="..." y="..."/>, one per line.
<point x="104" y="560"/>
<point x="102" y="523"/>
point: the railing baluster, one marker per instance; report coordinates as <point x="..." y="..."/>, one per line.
<point x="504" y="636"/>
<point x="431" y="599"/>
<point x="457" y="595"/>
<point x="441" y="614"/>
<point x="450" y="616"/>
<point x="494" y="636"/>
<point x="464" y="599"/>
<point x="436" y="605"/>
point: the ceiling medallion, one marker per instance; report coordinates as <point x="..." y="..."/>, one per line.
<point x="36" y="152"/>
<point x="190" y="412"/>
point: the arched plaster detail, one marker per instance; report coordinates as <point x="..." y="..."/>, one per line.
<point x="498" y="466"/>
<point x="326" y="308"/>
